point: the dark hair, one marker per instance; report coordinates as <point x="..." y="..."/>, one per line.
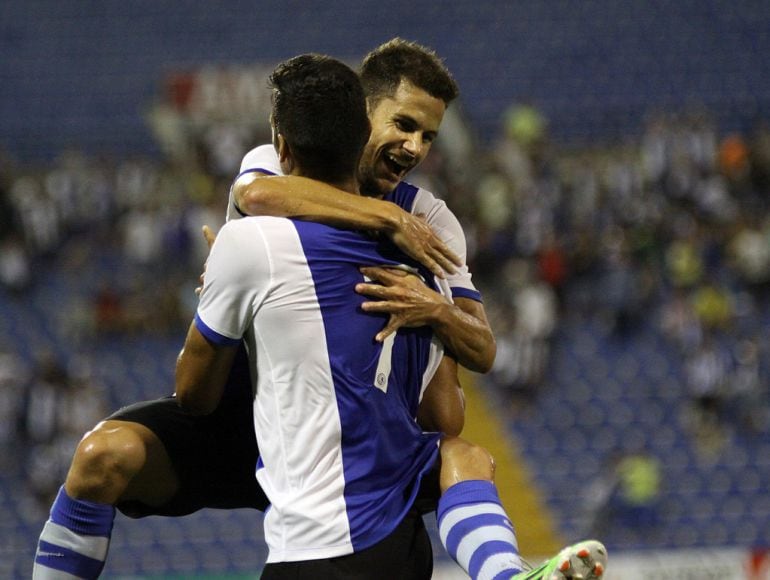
<point x="320" y="109"/>
<point x="383" y="69"/>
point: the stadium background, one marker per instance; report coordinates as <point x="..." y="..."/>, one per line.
<point x="609" y="161"/>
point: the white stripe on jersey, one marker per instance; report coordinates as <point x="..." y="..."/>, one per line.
<point x="259" y="285"/>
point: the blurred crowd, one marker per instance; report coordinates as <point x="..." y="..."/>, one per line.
<point x="669" y="229"/>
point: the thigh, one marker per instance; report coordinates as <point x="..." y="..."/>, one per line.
<point x="214" y="457"/>
<point x="405" y="554"/>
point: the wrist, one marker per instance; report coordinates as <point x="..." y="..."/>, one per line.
<point x="390" y="216"/>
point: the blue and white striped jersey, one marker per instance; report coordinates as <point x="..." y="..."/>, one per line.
<point x="419" y="201"/>
<point x="334" y="411"/>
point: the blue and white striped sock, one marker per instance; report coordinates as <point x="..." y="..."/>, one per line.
<point x="476" y="531"/>
<point x="74" y="540"/>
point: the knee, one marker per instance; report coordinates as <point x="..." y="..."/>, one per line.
<point x="105" y="461"/>
<point x="462" y="460"/>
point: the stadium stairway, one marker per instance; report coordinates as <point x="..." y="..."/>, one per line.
<point x="531" y="517"/>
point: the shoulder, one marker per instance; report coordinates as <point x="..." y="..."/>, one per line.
<point x="435" y="211"/>
<point x="263" y="158"/>
<point x="419" y="200"/>
<point x="250" y="229"/>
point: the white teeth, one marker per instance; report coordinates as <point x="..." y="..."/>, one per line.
<point x="398" y="161"/>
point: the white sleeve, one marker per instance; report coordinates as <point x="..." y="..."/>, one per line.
<point x="236" y="280"/>
<point x="262" y="159"/>
<point x="448" y="228"/>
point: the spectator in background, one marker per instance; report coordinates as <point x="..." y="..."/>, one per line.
<point x="714" y="305"/>
<point x="38" y="217"/>
<point x="45" y="411"/>
<point x="625" y="494"/>
<point x="707" y="370"/>
<point x="638" y="491"/>
<point x="15" y="267"/>
<point x="61" y="404"/>
<point x="749" y="254"/>
<point x="748" y="399"/>
<point x="14" y="378"/>
<point x="524" y="331"/>
<point x="678" y="321"/>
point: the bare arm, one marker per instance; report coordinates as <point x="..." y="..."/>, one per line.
<point x="294" y="196"/>
<point x="202" y="369"/>
<point x="462" y="327"/>
<point x="443" y="404"/>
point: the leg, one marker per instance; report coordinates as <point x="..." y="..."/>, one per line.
<point x="477" y="532"/>
<point x="461" y="460"/>
<point x="118" y="460"/>
<point x="473" y="525"/>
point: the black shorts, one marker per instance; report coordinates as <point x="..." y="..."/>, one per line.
<point x="406" y="554"/>
<point x="214" y="456"/>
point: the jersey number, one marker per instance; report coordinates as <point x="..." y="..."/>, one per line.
<point x="383" y="364"/>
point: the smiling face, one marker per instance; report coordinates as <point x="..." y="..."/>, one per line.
<point x="403" y="129"/>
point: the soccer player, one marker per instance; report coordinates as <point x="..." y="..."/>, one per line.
<point x="341" y="455"/>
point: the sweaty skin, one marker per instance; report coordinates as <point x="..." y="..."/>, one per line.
<point x="404" y="126"/>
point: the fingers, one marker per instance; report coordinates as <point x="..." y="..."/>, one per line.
<point x="209" y="235"/>
<point x="448" y="259"/>
<point x="382" y="275"/>
<point x="380" y="306"/>
<point x="439" y="259"/>
<point x="393" y="326"/>
<point x="435" y="268"/>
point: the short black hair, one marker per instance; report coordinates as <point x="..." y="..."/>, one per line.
<point x="383" y="69"/>
<point x="320" y="109"/>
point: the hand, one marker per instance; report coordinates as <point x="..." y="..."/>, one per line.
<point x="404" y="296"/>
<point x="416" y="239"/>
<point x="210" y="236"/>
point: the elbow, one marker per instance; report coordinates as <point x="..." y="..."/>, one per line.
<point x="484" y="358"/>
<point x="489" y="354"/>
<point x="249" y="198"/>
<point x="488" y="357"/>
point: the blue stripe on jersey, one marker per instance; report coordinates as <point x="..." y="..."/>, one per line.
<point x="213" y="335"/>
<point x="466" y="293"/>
<point x="384" y="451"/>
<point x="403" y="195"/>
<point x="254" y="170"/>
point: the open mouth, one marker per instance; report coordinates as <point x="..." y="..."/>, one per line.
<point x="398" y="167"/>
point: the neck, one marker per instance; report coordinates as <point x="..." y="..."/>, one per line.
<point x="348" y="184"/>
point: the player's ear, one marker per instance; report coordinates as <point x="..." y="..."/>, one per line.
<point x="284" y="153"/>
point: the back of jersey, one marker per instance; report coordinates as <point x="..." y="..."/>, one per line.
<point x="342" y="454"/>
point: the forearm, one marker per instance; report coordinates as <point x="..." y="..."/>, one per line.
<point x="466" y="335"/>
<point x="299" y="197"/>
<point x="442" y="407"/>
